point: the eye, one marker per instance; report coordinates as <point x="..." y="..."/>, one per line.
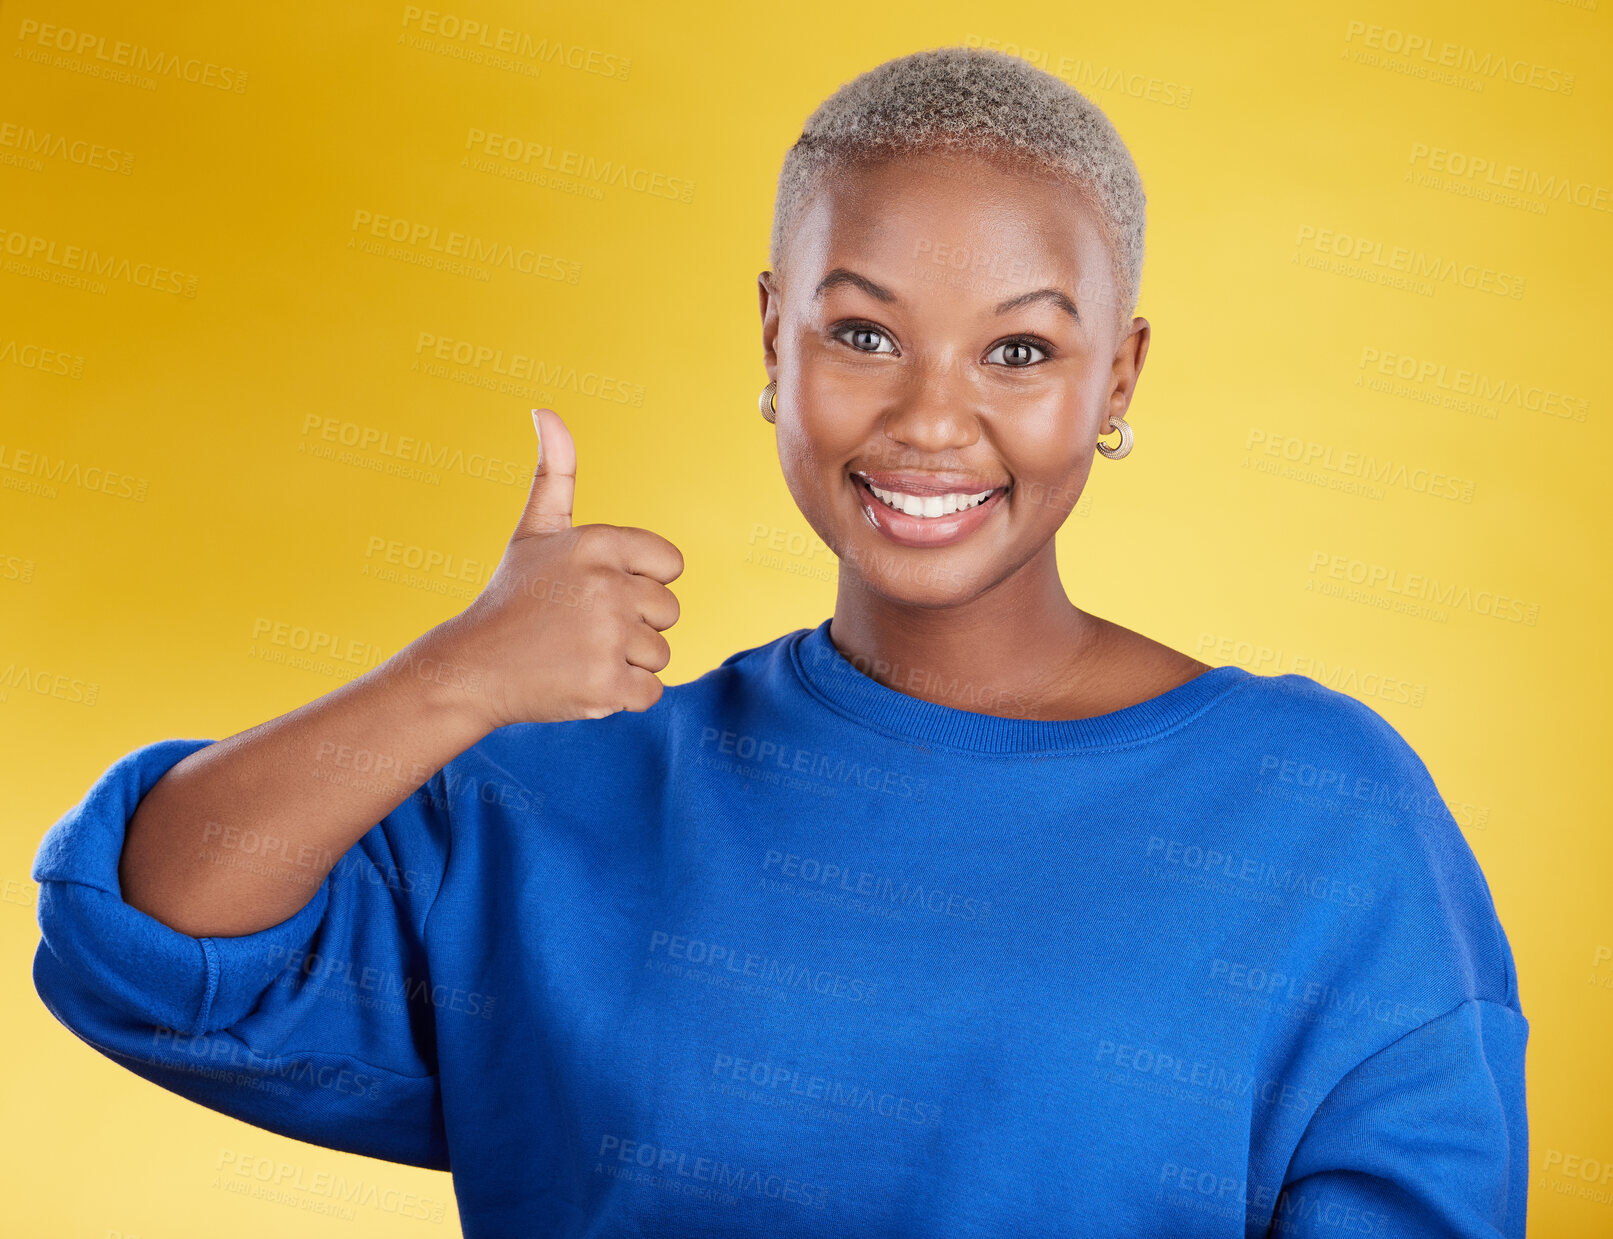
<point x="1020" y="346"/>
<point x="862" y="334"/>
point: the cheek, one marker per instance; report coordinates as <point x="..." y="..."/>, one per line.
<point x="1041" y="429"/>
<point x="833" y="410"/>
<point x="810" y="454"/>
<point x="1050" y="461"/>
<point x="812" y="474"/>
<point x="1046" y="448"/>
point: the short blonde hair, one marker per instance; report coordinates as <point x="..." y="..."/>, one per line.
<point x="973" y="101"/>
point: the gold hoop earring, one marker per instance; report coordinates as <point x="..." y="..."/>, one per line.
<point x="768" y="402"/>
<point x="1121" y="448"/>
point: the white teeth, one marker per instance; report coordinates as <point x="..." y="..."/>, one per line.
<point x="929" y="505"/>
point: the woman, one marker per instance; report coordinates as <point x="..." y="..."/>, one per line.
<point x="965" y="912"/>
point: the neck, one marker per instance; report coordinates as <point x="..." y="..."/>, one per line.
<point x="1014" y="650"/>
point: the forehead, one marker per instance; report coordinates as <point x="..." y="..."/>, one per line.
<point x="987" y="228"/>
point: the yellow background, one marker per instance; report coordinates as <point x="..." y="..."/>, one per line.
<point x="1249" y="130"/>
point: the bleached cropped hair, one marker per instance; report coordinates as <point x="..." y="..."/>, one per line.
<point x="965" y="101"/>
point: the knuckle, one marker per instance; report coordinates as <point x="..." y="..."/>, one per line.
<point x="591" y="540"/>
<point x="646" y="696"/>
<point x="546" y="522"/>
<point x="600" y="580"/>
<point x="605" y="640"/>
<point x="600" y="684"/>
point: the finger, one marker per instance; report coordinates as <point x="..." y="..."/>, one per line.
<point x="648" y="649"/>
<point x="649" y="554"/>
<point x="657" y="605"/>
<point x="554" y="480"/>
<point x="644" y="688"/>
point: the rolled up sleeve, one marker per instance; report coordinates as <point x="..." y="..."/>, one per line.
<point x="320" y="1027"/>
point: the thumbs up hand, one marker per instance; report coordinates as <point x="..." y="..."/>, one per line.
<point x="570" y="624"/>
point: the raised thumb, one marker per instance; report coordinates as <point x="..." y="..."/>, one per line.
<point x="554" y="481"/>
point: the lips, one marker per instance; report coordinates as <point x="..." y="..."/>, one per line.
<point x="927" y="531"/>
<point x="928" y="483"/>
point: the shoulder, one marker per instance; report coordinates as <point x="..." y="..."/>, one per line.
<point x="1354" y="790"/>
<point x="1345" y="755"/>
<point x="1302" y="734"/>
<point x="1315" y="720"/>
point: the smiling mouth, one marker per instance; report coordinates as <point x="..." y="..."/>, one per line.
<point x="928" y="507"/>
<point x="927" y="521"/>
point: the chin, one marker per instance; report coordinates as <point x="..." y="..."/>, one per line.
<point x="911" y="577"/>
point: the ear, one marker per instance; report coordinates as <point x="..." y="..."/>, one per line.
<point x="767" y="290"/>
<point x="1127" y="369"/>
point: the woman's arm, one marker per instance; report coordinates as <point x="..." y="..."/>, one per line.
<point x="1429" y="1136"/>
<point x="239" y="835"/>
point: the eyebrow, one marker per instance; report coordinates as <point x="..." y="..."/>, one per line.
<point x="841" y="275"/>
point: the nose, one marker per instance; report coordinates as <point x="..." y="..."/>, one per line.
<point x="933" y="408"/>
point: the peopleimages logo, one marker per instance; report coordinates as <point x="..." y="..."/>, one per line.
<point x="372" y="985"/>
<point x="827" y="766"/>
<point x="881" y="888"/>
<point x="1424" y="588"/>
<point x="429" y="239"/>
<point x="791" y="1083"/>
<point x="40" y="359"/>
<point x="323" y="1191"/>
<point x="1216" y="1083"/>
<point x="1412" y="263"/>
<point x="539" y="374"/>
<point x="1378" y="472"/>
<point x="171" y="1047"/>
<point x="1483" y="388"/>
<point x="29" y="248"/>
<point x="28" y="143"/>
<point x="519" y="152"/>
<point x="1423" y="51"/>
<point x="385" y="441"/>
<point x="1275" y="984"/>
<point x="794" y="975"/>
<point x="1495" y="174"/>
<point x="487" y="40"/>
<point x="1260" y="874"/>
<point x="668" y="1167"/>
<point x="135" y="57"/>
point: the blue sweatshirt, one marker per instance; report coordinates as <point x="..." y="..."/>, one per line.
<point x="794" y="953"/>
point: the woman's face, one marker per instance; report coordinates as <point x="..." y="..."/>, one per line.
<point x="916" y="347"/>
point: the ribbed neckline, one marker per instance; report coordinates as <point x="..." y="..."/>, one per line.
<point x="830" y="676"/>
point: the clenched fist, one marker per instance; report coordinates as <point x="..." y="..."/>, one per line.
<point x="570" y="624"/>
